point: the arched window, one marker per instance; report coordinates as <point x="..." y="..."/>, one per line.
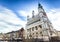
<point x="40" y="26"/>
<point x="32" y="28"/>
<point x="36" y="27"/>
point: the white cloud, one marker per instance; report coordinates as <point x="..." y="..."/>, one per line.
<point x="54" y="16"/>
<point x="22" y="12"/>
<point x="9" y="21"/>
<point x="27" y="12"/>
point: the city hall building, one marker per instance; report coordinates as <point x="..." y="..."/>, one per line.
<point x="39" y="26"/>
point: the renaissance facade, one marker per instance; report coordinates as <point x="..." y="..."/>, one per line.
<point x="39" y="26"/>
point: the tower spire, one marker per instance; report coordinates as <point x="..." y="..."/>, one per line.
<point x="40" y="8"/>
<point x="39" y="5"/>
<point x="32" y="13"/>
<point x="28" y="17"/>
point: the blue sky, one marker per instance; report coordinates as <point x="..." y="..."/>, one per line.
<point x="13" y="13"/>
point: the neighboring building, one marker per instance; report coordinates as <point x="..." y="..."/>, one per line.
<point x="39" y="25"/>
<point x="58" y="33"/>
<point x="12" y="35"/>
<point x="1" y="36"/>
<point x="19" y="34"/>
<point x="22" y="33"/>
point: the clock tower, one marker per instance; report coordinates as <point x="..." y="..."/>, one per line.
<point x="39" y="26"/>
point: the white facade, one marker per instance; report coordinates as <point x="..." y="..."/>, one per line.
<point x="39" y="25"/>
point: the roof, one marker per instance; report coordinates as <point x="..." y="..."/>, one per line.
<point x="15" y="31"/>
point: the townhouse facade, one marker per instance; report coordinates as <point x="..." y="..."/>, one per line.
<point x="19" y="34"/>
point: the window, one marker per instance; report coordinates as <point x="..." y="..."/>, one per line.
<point x="33" y="33"/>
<point x="27" y="30"/>
<point x="50" y="33"/>
<point x="30" y="35"/>
<point x="39" y="19"/>
<point x="36" y="27"/>
<point x="32" y="28"/>
<point x="40" y="26"/>
<point x="40" y="32"/>
<point x="45" y="32"/>
<point x="36" y="32"/>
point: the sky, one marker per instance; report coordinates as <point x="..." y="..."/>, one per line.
<point x="13" y="13"/>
